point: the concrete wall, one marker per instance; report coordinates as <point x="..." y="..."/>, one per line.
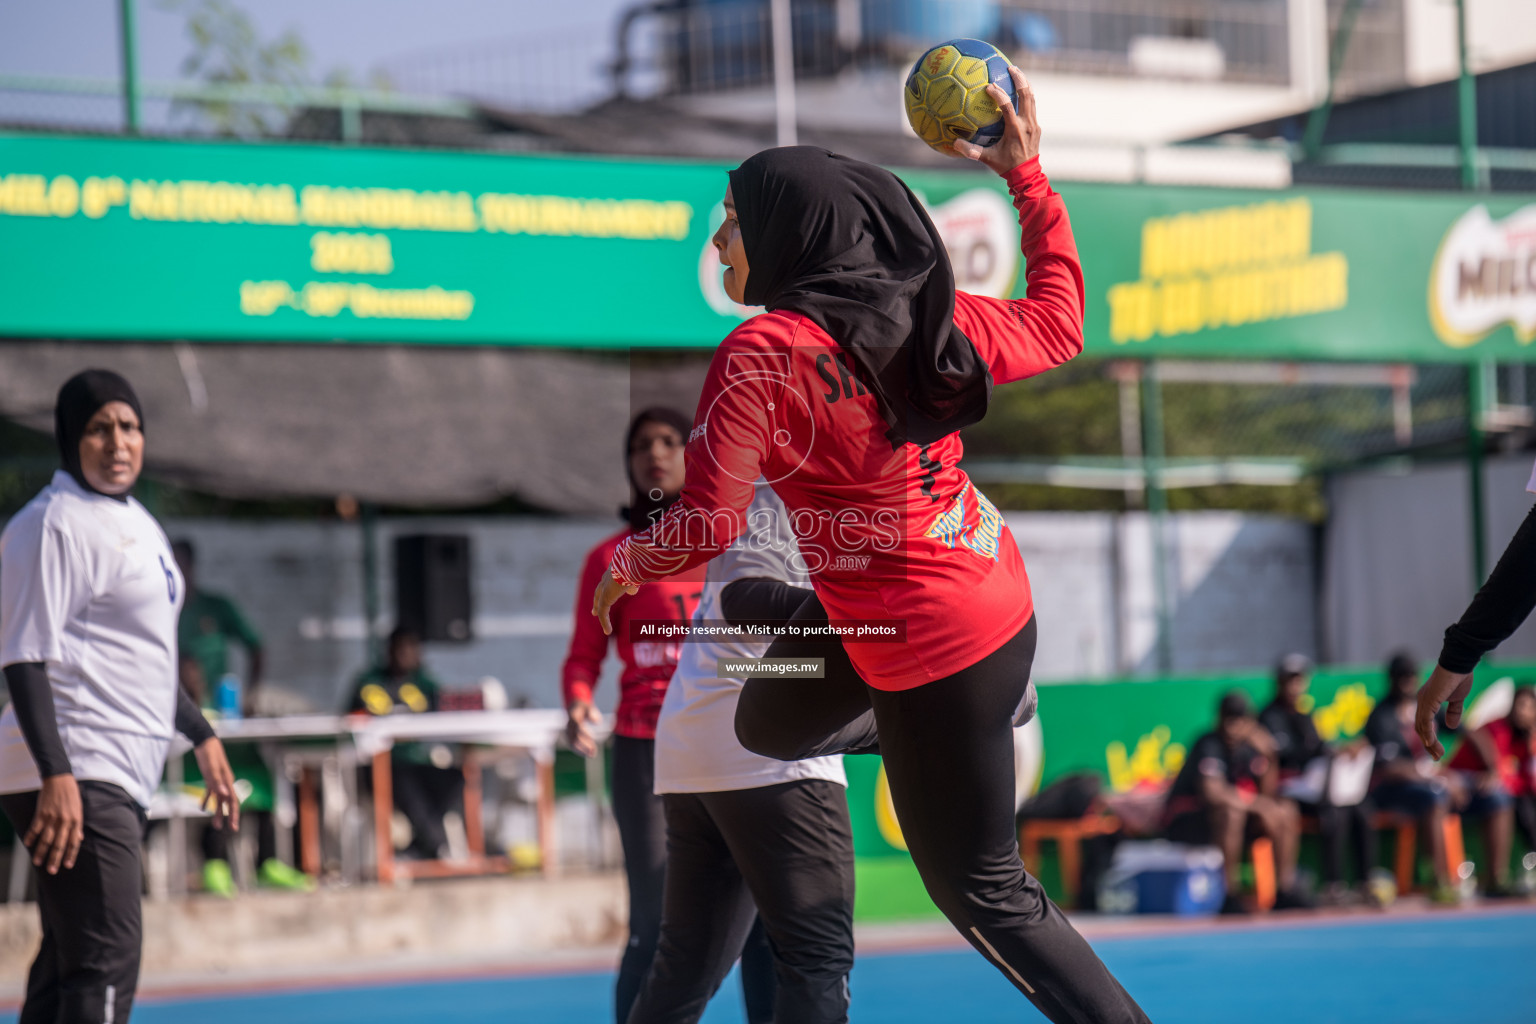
<point x="1242" y="591"/>
<point x="1398" y="556"/>
<point x="373" y="928"/>
<point x="1244" y="594"/>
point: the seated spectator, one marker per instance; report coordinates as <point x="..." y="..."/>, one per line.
<point x="209" y="624"/>
<point x="426" y="785"/>
<point x="1498" y="765"/>
<point x="1302" y="758"/>
<point x="1406" y="779"/>
<point x="1224" y="796"/>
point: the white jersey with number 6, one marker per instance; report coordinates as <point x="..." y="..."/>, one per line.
<point x="696" y="746"/>
<point x="89" y="588"/>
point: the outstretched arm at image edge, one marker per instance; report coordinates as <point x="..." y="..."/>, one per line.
<point x="1503" y="603"/>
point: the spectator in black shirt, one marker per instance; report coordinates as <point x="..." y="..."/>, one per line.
<point x="1298" y="750"/>
<point x="1225" y="796"/>
<point x="426" y="784"/>
<point x="1406" y="779"/>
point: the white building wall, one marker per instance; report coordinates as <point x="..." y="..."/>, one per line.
<point x="1244" y="595"/>
<point x="1397" y="556"/>
<point x="1500" y="33"/>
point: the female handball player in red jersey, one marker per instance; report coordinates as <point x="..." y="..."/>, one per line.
<point x="846" y="396"/>
<point x="653" y="458"/>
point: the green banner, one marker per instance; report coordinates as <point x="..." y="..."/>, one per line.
<point x="145" y="240"/>
<point x="107" y="238"/>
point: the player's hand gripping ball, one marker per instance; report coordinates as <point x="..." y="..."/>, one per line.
<point x="946" y="94"/>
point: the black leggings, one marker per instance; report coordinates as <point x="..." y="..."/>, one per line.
<point x="948" y="751"/>
<point x="1335" y="826"/>
<point x="781" y="854"/>
<point x="643" y="835"/>
<point x="216" y="841"/>
<point x="87" y="968"/>
<point x="1525" y="819"/>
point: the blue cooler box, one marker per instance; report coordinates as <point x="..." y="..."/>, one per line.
<point x="1160" y="877"/>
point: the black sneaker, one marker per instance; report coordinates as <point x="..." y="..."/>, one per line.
<point x="1293" y="899"/>
<point x="1233" y="905"/>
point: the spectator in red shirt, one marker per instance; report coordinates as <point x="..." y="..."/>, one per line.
<point x="847" y="395"/>
<point x="1498" y="763"/>
<point x="653" y="453"/>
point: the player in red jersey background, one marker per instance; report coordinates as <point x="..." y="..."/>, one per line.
<point x="653" y="454"/>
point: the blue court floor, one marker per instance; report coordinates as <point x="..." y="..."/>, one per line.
<point x="1432" y="968"/>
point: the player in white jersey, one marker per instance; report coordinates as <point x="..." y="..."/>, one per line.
<point x="747" y="834"/>
<point x="89" y="595"/>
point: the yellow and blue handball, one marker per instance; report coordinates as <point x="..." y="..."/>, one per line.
<point x="946" y="94"/>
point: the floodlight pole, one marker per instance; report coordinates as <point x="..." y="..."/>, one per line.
<point x="1317" y="121"/>
<point x="1466" y="102"/>
<point x="368" y="520"/>
<point x="130" y="67"/>
<point x="1480" y="391"/>
<point x="783" y="72"/>
<point x="1157" y="507"/>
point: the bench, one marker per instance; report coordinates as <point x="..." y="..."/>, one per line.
<point x="1068" y="835"/>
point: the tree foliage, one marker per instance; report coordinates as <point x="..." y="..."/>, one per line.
<point x="227" y="49"/>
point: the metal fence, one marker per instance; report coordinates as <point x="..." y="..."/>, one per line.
<point x="684" y="48"/>
<point x="1261" y="426"/>
<point x="689" y="48"/>
<point x="207" y="109"/>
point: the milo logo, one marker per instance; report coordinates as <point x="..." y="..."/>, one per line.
<point x="1484" y="276"/>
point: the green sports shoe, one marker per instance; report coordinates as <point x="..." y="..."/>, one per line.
<point x="218" y="880"/>
<point x="274" y="874"/>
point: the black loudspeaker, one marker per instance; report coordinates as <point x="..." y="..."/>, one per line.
<point x="432" y="586"/>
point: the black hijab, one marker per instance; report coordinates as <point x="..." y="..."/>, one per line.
<point x="81" y="397"/>
<point x="848" y="245"/>
<point x="643" y="510"/>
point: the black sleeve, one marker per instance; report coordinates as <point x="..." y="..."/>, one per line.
<point x="759" y="599"/>
<point x="1500" y="607"/>
<point x="1383" y="733"/>
<point x="189" y="719"/>
<point x="1276" y="723"/>
<point x="1210" y="758"/>
<point x="32" y="697"/>
<point x="1312" y="744"/>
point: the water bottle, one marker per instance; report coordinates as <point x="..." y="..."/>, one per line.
<point x="1525" y="883"/>
<point x="226" y="696"/>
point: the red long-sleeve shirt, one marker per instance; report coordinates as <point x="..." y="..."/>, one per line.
<point x="648" y="667"/>
<point x="900" y="535"/>
<point x="1517" y="757"/>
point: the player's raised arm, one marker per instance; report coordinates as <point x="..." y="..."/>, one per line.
<point x="1019" y="338"/>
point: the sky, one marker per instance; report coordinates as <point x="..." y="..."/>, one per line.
<point x="80" y="37"/>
